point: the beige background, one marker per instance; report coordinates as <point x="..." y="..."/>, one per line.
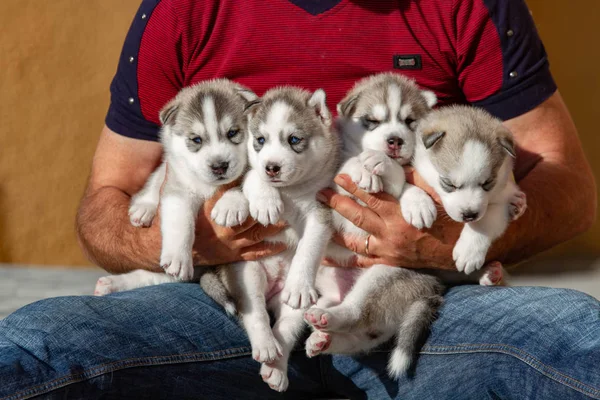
<point x="57" y="59"/>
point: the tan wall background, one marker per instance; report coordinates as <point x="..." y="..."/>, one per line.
<point x="57" y="59"/>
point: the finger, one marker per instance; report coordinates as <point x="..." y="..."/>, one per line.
<point x="262" y="250"/>
<point x="257" y="234"/>
<point x="366" y="262"/>
<point x="357" y="244"/>
<point x="348" y="208"/>
<point x="375" y="202"/>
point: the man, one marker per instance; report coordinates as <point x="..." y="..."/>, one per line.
<point x="171" y="341"/>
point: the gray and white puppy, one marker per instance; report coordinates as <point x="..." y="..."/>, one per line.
<point x="204" y="139"/>
<point x="467" y="156"/>
<point x="293" y="155"/>
<point x="362" y="308"/>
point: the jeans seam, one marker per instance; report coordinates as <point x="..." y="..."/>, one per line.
<point x="519" y="354"/>
<point x="124" y="364"/>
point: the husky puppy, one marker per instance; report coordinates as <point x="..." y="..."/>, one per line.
<point x="204" y="136"/>
<point x="362" y="308"/>
<point x="467" y="156"/>
<point x="293" y="155"/>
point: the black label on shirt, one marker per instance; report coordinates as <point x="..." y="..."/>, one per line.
<point x="408" y="61"/>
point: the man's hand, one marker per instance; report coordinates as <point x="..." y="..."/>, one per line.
<point x="393" y="241"/>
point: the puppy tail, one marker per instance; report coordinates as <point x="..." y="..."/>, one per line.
<point x="411" y="333"/>
<point x="212" y="285"/>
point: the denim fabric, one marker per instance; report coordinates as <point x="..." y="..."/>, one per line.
<point x="172" y="342"/>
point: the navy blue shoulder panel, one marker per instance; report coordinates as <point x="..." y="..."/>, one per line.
<point x="316" y="7"/>
<point x="527" y="81"/>
<point x="125" y="114"/>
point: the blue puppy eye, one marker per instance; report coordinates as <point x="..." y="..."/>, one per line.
<point x="294" y="140"/>
<point x="232" y="133"/>
<point x="260" y="140"/>
<point x="197" y="140"/>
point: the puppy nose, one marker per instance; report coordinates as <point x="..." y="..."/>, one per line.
<point x="469" y="215"/>
<point x="273" y="169"/>
<point x="219" y="168"/>
<point x="394" y="142"/>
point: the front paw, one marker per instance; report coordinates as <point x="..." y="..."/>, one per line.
<point x="517" y="206"/>
<point x="141" y="213"/>
<point x="419" y="211"/>
<point x="468" y="255"/>
<point x="178" y="265"/>
<point x="298" y="294"/>
<point x="230" y="211"/>
<point x="365" y="180"/>
<point x="266" y="210"/>
<point x="375" y="162"/>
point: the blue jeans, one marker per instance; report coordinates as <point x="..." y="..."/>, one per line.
<point x="173" y="342"/>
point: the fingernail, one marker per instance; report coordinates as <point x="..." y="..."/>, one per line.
<point x="340" y="179"/>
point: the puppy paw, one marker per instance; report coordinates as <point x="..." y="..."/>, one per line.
<point x="179" y="266"/>
<point x="275" y="377"/>
<point x="267" y="351"/>
<point x="317" y="317"/>
<point x="317" y="343"/>
<point x="375" y="162"/>
<point x="517" y="206"/>
<point x="418" y="209"/>
<point x="105" y="285"/>
<point x="468" y="255"/>
<point x="142" y="213"/>
<point x="492" y="274"/>
<point x="297" y="294"/>
<point x="266" y="210"/>
<point x="230" y="210"/>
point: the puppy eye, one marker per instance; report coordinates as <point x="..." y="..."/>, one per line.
<point x="293" y="140"/>
<point x="232" y="133"/>
<point x="197" y="140"/>
<point x="409" y="121"/>
<point x="261" y="140"/>
<point x="370" y="123"/>
<point x="447" y="185"/>
<point x="488" y="185"/>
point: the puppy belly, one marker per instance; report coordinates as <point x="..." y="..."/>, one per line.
<point x="334" y="283"/>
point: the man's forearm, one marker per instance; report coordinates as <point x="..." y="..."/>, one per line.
<point x="108" y="238"/>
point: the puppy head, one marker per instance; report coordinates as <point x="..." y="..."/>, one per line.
<point x="472" y="153"/>
<point x="383" y="110"/>
<point x="204" y="128"/>
<point x="290" y="136"/>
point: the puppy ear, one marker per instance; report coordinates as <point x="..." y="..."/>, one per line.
<point x="508" y="144"/>
<point x="430" y="98"/>
<point x="431" y="138"/>
<point x="318" y="102"/>
<point x="246" y="94"/>
<point x="347" y="106"/>
<point x="251" y="106"/>
<point x="169" y="112"/>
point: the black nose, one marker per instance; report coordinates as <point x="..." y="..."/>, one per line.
<point x="469" y="216"/>
<point x="273" y="169"/>
<point x="219" y="168"/>
<point x="394" y="142"/>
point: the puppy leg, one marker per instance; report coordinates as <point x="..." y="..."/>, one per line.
<point x="132" y="280"/>
<point x="145" y="203"/>
<point x="320" y="342"/>
<point x="249" y="287"/>
<point x="178" y="210"/>
<point x="231" y="209"/>
<point x="288" y="326"/>
<point x="476" y="237"/>
<point x="418" y="209"/>
<point x="364" y="179"/>
<point x="264" y="201"/>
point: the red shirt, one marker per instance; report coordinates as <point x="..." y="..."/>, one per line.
<point x="484" y="52"/>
